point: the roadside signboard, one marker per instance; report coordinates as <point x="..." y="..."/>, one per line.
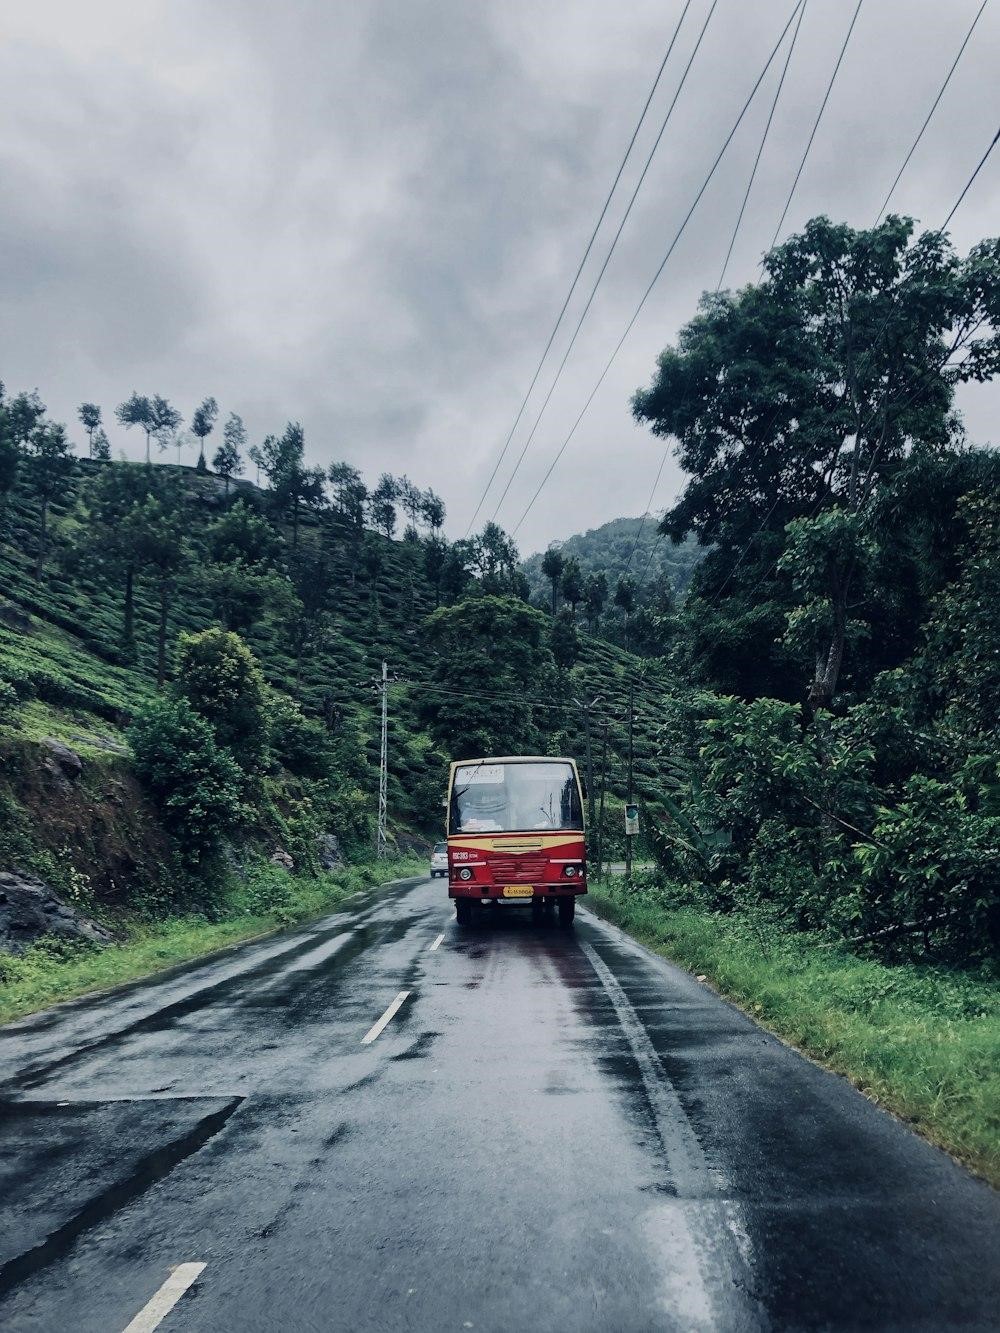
<point x="631" y="820"/>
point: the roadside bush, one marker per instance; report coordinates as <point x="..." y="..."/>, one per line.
<point x="268" y="891"/>
<point x="299" y="743"/>
<point x="932" y="873"/>
<point x="196" y="783"/>
<point x="219" y="677"/>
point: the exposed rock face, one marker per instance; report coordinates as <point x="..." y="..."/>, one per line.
<point x="30" y="909"/>
<point x="62" y="760"/>
<point x="328" y="851"/>
<point x="281" y="858"/>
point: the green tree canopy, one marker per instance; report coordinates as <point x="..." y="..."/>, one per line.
<point x="218" y="676"/>
<point x="228" y="460"/>
<point x="804" y="393"/>
<point x="489" y="657"/>
<point x="202" y="425"/>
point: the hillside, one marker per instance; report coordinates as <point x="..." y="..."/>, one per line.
<point x="61" y="651"/>
<point x="612" y="549"/>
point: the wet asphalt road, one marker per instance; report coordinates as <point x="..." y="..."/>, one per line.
<point x="555" y="1131"/>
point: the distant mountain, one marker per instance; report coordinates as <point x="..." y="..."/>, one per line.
<point x="607" y="549"/>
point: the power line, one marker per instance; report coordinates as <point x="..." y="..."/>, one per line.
<point x="645" y="513"/>
<point x="819" y="117"/>
<point x="586" y="255"/>
<point x="968" y="183"/>
<point x="763" y="141"/>
<point x="607" y="259"/>
<point x="934" y="106"/>
<point x="663" y="264"/>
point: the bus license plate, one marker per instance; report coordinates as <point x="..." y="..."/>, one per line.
<point x="518" y="891"/>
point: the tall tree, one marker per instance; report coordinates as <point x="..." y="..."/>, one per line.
<point x="100" y="446"/>
<point x="494" y="560"/>
<point x="242" y="576"/>
<point x="571" y="583"/>
<point x="10" y="454"/>
<point x="202" y="425"/>
<point x="595" y="595"/>
<point x="350" y="496"/>
<point x="164" y="424"/>
<point x="48" y="466"/>
<point x="161" y="551"/>
<point x="115" y="531"/>
<point x="455" y="573"/>
<point x="433" y="511"/>
<point x="552" y="567"/>
<point x="625" y="601"/>
<point x="382" y="504"/>
<point x="489" y="657"/>
<point x="411" y="499"/>
<point x="24" y="412"/>
<point x="228" y="460"/>
<point x="137" y="410"/>
<point x="256" y="455"/>
<point x="293" y="485"/>
<point x="435" y="559"/>
<point x="565" y="640"/>
<point x="90" y="419"/>
<point x="794" y="402"/>
<point x="308" y="616"/>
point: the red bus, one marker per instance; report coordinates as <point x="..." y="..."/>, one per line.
<point x="516" y="835"/>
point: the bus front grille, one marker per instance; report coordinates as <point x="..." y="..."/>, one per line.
<point x="517" y="869"/>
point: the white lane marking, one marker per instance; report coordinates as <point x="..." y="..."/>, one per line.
<point x="685" y="1158"/>
<point x="436" y="942"/>
<point x="155" y="1311"/>
<point x="705" y="1234"/>
<point x="385" y="1020"/>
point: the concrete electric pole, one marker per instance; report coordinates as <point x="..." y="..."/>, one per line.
<point x="383" y="768"/>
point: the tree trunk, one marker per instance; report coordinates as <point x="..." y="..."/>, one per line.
<point x="161" y="642"/>
<point x="42" y="534"/>
<point x="148" y="460"/>
<point x="128" y="627"/>
<point x="555" y="594"/>
<point x="295" y="523"/>
<point x="824" y="686"/>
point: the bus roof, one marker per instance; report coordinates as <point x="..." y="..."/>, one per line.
<point x="515" y="759"/>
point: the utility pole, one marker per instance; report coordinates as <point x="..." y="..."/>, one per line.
<point x="585" y="709"/>
<point x="631" y="791"/>
<point x="604" y="784"/>
<point x="383" y="768"/>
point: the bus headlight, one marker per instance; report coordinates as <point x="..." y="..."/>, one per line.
<point x="571" y="872"/>
<point x="465" y="873"/>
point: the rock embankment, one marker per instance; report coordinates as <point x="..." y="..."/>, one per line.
<point x="29" y="909"/>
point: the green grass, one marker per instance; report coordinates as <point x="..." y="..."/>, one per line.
<point x="271" y="899"/>
<point x="923" y="1042"/>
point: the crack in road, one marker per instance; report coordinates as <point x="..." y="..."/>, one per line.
<point x="149" y="1171"/>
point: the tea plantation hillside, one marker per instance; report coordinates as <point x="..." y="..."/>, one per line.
<point x="72" y="676"/>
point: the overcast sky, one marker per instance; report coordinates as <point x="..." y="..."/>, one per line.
<point x="365" y="214"/>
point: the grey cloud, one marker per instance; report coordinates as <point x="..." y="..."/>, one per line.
<point x="365" y="215"/>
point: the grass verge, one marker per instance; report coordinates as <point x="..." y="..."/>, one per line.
<point x="923" y="1042"/>
<point x="55" y="970"/>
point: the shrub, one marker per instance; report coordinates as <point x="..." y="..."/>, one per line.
<point x="933" y="864"/>
<point x="219" y="677"/>
<point x="298" y="742"/>
<point x="197" y="784"/>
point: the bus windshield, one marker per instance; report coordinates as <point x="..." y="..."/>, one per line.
<point x="521" y="797"/>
